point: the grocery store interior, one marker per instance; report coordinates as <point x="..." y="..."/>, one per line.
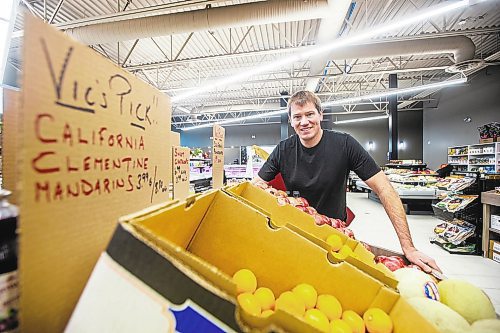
<point x="416" y="83"/>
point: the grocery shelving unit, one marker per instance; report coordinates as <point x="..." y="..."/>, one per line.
<point x="481" y="157"/>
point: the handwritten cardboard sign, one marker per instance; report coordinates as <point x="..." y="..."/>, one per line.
<point x="180" y="168"/>
<point x="218" y="156"/>
<point x="95" y="146"/>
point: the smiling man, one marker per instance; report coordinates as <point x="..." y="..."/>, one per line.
<point x="315" y="163"/>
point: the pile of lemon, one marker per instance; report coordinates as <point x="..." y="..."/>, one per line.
<point x="323" y="312"/>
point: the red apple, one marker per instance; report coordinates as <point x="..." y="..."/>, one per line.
<point x="310" y="210"/>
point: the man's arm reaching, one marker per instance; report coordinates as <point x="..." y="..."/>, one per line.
<point x="394" y="209"/>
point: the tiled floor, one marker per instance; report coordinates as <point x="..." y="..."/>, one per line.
<point x="373" y="226"/>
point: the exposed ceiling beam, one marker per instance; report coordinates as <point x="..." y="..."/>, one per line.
<point x="319" y="76"/>
<point x="181" y="62"/>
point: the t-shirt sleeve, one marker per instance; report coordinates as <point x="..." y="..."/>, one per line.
<point x="272" y="166"/>
<point x="359" y="160"/>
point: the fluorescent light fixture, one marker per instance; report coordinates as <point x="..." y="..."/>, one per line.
<point x="357" y="120"/>
<point x="401" y="91"/>
<point x="234" y="120"/>
<point x="338" y="43"/>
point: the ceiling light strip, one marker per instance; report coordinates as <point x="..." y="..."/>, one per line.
<point x="357" y="120"/>
<point x="233" y="120"/>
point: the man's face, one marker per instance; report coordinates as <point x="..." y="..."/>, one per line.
<point x="306" y="121"/>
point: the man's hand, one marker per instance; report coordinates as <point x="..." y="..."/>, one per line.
<point x="422" y="260"/>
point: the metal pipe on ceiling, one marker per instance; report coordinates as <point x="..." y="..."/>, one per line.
<point x="210" y="18"/>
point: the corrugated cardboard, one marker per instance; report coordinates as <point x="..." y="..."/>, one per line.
<point x="218" y="156"/>
<point x="495" y="256"/>
<point x="302" y="223"/>
<point x="175" y="138"/>
<point x="10" y="136"/>
<point x="95" y="146"/>
<point x="208" y="238"/>
<point x="495" y="245"/>
<point x="180" y="172"/>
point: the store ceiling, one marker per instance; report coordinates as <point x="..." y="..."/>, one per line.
<point x="186" y="47"/>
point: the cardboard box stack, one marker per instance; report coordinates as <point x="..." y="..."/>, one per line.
<point x="494" y="250"/>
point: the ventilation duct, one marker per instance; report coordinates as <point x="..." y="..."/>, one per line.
<point x="461" y="47"/>
<point x="255" y="13"/>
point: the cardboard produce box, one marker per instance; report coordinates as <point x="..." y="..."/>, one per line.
<point x="303" y="223"/>
<point x="495" y="222"/>
<point x="495" y="245"/>
<point x="495" y="256"/>
<point x="169" y="268"/>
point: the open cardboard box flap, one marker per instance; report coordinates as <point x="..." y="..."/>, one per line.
<point x="302" y="223"/>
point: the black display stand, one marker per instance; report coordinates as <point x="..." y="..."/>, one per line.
<point x="473" y="212"/>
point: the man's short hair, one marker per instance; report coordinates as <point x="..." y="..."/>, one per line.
<point x="301" y="98"/>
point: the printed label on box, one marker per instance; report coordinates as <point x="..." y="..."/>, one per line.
<point x="496" y="246"/>
<point x="189" y="317"/>
<point x="495" y="222"/>
<point x="496" y="256"/>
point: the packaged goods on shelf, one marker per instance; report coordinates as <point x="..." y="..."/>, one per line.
<point x="463" y="248"/>
<point x="453" y="203"/>
<point x="454" y="232"/>
<point x="489" y="131"/>
<point x="455" y="183"/>
<point x="411" y="178"/>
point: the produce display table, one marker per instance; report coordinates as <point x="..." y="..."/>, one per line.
<point x="415" y="201"/>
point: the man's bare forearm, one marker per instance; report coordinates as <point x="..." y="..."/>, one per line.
<point x="394" y="209"/>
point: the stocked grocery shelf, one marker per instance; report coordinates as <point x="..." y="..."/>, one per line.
<point x="473" y="153"/>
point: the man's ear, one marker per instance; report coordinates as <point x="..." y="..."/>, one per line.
<point x="321" y="115"/>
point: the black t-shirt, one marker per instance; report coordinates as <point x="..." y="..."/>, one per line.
<point x="320" y="173"/>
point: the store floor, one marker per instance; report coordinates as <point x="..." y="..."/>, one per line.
<point x="374" y="227"/>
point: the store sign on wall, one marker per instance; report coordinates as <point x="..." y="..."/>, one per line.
<point x="218" y="156"/>
<point x="180" y="172"/>
<point x="95" y="146"/>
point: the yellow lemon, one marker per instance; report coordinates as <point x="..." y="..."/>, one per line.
<point x="354" y="320"/>
<point x="266" y="313"/>
<point x="335" y="242"/>
<point x="265" y="297"/>
<point x="245" y="281"/>
<point x="289" y="302"/>
<point x="344" y="252"/>
<point x="330" y="306"/>
<point x="307" y="293"/>
<point x="340" y="326"/>
<point x="317" y="319"/>
<point x="249" y="303"/>
<point x="377" y="321"/>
